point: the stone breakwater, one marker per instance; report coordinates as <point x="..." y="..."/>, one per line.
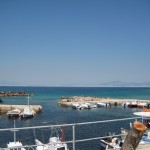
<point x="68" y="101"/>
<point x="11" y="93"/>
<point x="6" y="108"/>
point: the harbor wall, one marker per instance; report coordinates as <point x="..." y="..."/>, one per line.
<point x="68" y="101"/>
<point x="6" y="108"/>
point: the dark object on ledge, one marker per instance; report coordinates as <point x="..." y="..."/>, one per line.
<point x="1" y="100"/>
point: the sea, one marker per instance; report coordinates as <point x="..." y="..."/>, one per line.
<point x="53" y="114"/>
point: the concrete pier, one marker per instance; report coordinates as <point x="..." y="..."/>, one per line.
<point x="6" y="108"/>
<point x="68" y="101"/>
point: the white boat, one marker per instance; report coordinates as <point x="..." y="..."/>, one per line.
<point x="81" y="106"/>
<point x="145" y="117"/>
<point x="125" y="104"/>
<point x="15" y="145"/>
<point x="141" y="104"/>
<point x="100" y="104"/>
<point x="111" y="143"/>
<point x="27" y="112"/>
<point x="93" y="106"/>
<point x="84" y="106"/>
<point x="54" y="144"/>
<point x="133" y="104"/>
<point x="75" y="105"/>
<point x="114" y="143"/>
<point x="13" y="113"/>
<point x="143" y="114"/>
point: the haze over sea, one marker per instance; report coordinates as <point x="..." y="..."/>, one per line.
<point x="48" y="98"/>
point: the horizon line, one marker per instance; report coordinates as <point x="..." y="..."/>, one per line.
<point x="74" y="86"/>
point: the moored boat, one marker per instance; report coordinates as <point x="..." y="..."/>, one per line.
<point x="115" y="142"/>
<point x="141" y="104"/>
<point x="111" y="143"/>
<point x="75" y="105"/>
<point x="145" y="117"/>
<point x="28" y="112"/>
<point x="100" y="104"/>
<point x="93" y="106"/>
<point x="133" y="105"/>
<point x="84" y="106"/>
<point x="13" y="113"/>
<point x="125" y="104"/>
<point x="54" y="142"/>
<point x="15" y="145"/>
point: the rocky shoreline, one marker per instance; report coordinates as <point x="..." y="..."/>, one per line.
<point x="68" y="101"/>
<point x="11" y="93"/>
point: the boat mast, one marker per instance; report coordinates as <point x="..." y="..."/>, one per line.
<point x="28" y="100"/>
<point x="14" y="131"/>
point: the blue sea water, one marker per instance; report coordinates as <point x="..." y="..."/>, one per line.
<point x="48" y="98"/>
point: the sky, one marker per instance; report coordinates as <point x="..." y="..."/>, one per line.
<point x="74" y="43"/>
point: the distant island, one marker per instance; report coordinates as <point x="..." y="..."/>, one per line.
<point x="11" y="93"/>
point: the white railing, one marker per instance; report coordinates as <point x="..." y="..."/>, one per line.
<point x="73" y="125"/>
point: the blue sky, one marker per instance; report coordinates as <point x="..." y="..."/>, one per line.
<point x="74" y="43"/>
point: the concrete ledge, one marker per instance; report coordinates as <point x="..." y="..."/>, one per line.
<point x="68" y="101"/>
<point x="6" y="108"/>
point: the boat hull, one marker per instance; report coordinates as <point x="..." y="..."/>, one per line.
<point x="26" y="116"/>
<point x="12" y="115"/>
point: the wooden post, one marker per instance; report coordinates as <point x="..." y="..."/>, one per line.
<point x="134" y="136"/>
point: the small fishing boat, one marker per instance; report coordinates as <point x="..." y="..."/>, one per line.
<point x="141" y="104"/>
<point x="125" y="104"/>
<point x="27" y="112"/>
<point x="133" y="105"/>
<point x="93" y="106"/>
<point x="116" y="143"/>
<point x="145" y="117"/>
<point x="111" y="143"/>
<point x="54" y="142"/>
<point x="75" y="105"/>
<point x="13" y="113"/>
<point x="84" y="106"/>
<point x="81" y="106"/>
<point x="100" y="104"/>
<point x="15" y="145"/>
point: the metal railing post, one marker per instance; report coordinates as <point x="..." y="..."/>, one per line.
<point x="73" y="138"/>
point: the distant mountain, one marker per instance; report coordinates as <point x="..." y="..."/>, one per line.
<point x="103" y="84"/>
<point x="124" y="84"/>
<point x="6" y="83"/>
